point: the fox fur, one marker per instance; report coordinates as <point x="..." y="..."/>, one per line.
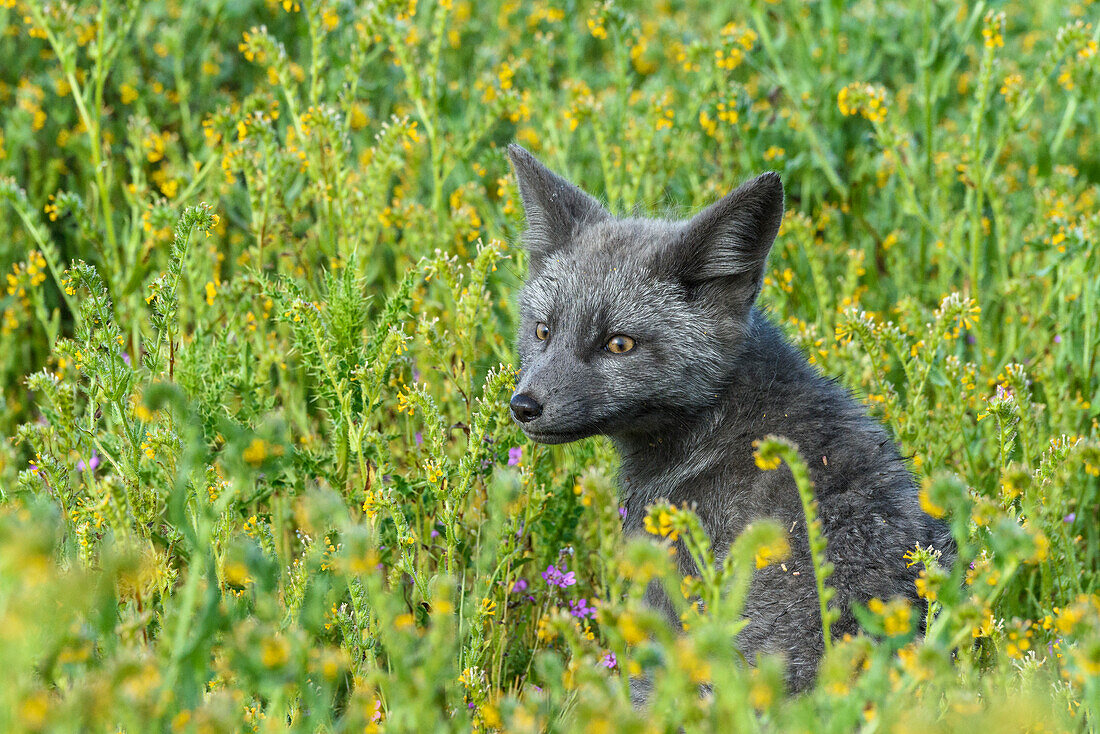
<point x="708" y="374"/>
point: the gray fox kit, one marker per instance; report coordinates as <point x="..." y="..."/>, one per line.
<point x="647" y="331"/>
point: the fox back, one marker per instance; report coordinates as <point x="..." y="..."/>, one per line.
<point x="647" y="331"/>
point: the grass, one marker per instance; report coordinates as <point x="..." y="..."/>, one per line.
<point x="255" y="349"/>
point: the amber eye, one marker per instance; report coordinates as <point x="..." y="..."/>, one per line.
<point x="542" y="331"/>
<point x="620" y="344"/>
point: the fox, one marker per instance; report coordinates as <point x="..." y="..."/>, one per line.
<point x="647" y="331"/>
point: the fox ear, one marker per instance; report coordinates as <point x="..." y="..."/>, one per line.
<point x="554" y="207"/>
<point x="726" y="245"/>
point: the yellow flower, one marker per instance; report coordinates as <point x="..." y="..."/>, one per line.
<point x="925" y="588"/>
<point x="766" y="463"/>
<point x="928" y="505"/>
<point x="34" y="709"/>
<point x="256" y="452"/>
<point x="372" y="504"/>
<point x="662" y="526"/>
<point x="761" y="695"/>
<point x="770" y="553"/>
<point x="896" y="615"/>
<point x="993" y="32"/>
<point x="236" y="575"/>
<point x="630" y="630"/>
<point x="274" y="652"/>
<point x="985" y="625"/>
<point x="862" y="99"/>
<point x="1011" y="87"/>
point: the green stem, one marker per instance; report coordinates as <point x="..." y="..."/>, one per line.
<point x="779" y="447"/>
<point x="91" y="123"/>
<point x="779" y="71"/>
<point x="49" y="255"/>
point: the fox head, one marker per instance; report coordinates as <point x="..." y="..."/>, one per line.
<point x="629" y="326"/>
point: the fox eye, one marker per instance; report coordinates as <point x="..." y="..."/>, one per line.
<point x="619" y="344"/>
<point x="542" y="331"/>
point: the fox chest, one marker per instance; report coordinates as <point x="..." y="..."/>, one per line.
<point x="725" y="502"/>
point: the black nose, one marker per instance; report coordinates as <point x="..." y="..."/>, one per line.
<point x="525" y="408"/>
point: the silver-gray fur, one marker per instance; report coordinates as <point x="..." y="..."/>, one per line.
<point x="707" y="375"/>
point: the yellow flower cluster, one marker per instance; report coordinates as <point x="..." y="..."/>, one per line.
<point x="663" y="525"/>
<point x="1018" y="640"/>
<point x="993" y="30"/>
<point x="766" y="463"/>
<point x="737" y="40"/>
<point x="662" y="110"/>
<point x="1011" y="87"/>
<point x="373" y="503"/>
<point x="928" y="505"/>
<point x="582" y="102"/>
<point x="896" y="615"/>
<point x="29" y="274"/>
<point x="255" y="452"/>
<point x="862" y="99"/>
<point x="597" y="28"/>
<point x="778" y="550"/>
<point x="274" y="652"/>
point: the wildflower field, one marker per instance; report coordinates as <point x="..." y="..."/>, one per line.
<point x="261" y="260"/>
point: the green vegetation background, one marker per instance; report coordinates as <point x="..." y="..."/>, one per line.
<point x="255" y="352"/>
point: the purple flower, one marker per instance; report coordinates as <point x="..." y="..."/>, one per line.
<point x="435" y="533"/>
<point x="92" y="462"/>
<point x="581" y="609"/>
<point x="622" y="513"/>
<point x="520" y="585"/>
<point x="419" y="438"/>
<point x="514" y="455"/>
<point x="970" y="339"/>
<point x="416" y="375"/>
<point x="609" y="661"/>
<point x="126" y="358"/>
<point x="1057" y="338"/>
<point x="560" y="579"/>
<point x="1070" y="517"/>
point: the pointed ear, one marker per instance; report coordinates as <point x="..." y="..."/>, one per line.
<point x="554" y="207"/>
<point x="726" y="245"/>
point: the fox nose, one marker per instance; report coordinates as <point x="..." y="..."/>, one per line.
<point x="525" y="408"/>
